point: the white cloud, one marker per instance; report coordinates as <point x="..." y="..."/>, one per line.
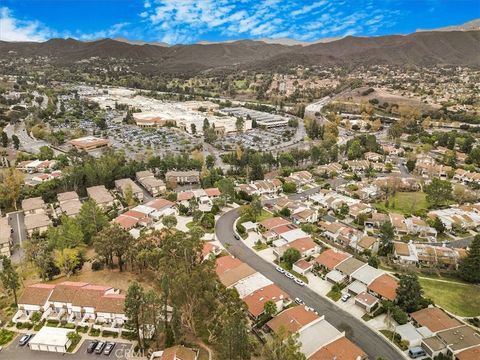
<point x="299" y="19"/>
<point x="114" y="30"/>
<point x="14" y="29"/>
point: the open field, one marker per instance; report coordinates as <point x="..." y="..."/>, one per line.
<point x="405" y="202"/>
<point x="456" y="297"/>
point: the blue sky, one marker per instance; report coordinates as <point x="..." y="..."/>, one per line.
<point x="190" y="21"/>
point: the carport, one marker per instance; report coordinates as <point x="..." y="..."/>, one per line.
<point x="51" y="339"/>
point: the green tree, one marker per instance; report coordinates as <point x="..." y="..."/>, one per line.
<point x="355" y="150"/>
<point x="239" y="124"/>
<point x="469" y="268"/>
<point x="438" y="192"/>
<point x="227" y="189"/>
<point x="410" y="164"/>
<point x="68" y="234"/>
<point x="289" y="187"/>
<point x="169" y="221"/>
<point x="291" y="256"/>
<point x="256" y="207"/>
<point x="373" y="261"/>
<point x="134" y="302"/>
<point x="409" y="293"/>
<point x="4" y="139"/>
<point x="210" y="161"/>
<point x="438" y="225"/>
<point x="208" y="221"/>
<point x="91" y="220"/>
<point x="9" y="277"/>
<point x="16" y="141"/>
<point x="45" y="153"/>
<point x="387" y="234"/>
<point x="67" y="260"/>
<point x="285" y="212"/>
<point x="283" y="346"/>
<point x="11" y="187"/>
<point x="113" y="241"/>
<point x="270" y="308"/>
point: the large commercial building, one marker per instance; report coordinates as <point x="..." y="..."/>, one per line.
<point x="89" y="143"/>
<point x="262" y="118"/>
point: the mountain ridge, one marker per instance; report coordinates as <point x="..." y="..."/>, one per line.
<point x="420" y="48"/>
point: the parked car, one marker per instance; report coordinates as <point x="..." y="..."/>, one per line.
<point x="100" y="346"/>
<point x="299" y="301"/>
<point x="25" y="339"/>
<point x="91" y="347"/>
<point x="236" y="237"/>
<point x="288" y="275"/>
<point x="345" y="297"/>
<point x="280" y="270"/>
<point x="416" y="352"/>
<point x="299" y="282"/>
<point x="109" y="348"/>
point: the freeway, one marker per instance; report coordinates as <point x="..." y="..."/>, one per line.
<point x="372" y="343"/>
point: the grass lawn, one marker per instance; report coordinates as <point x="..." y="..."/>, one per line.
<point x="264" y="215"/>
<point x="6" y="336"/>
<point x="334" y="295"/>
<point x="192" y="224"/>
<point x="261" y="246"/>
<point x="458" y="298"/>
<point x="405" y="202"/>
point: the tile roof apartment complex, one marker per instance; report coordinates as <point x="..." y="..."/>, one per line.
<point x="101" y="195"/>
<point x="75" y="302"/>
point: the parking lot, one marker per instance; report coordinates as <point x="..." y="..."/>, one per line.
<point x="258" y="139"/>
<point x="15" y="352"/>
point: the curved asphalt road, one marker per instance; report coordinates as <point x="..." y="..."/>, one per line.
<point x="372" y="343"/>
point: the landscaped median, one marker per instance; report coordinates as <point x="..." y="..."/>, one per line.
<point x="6" y="336"/>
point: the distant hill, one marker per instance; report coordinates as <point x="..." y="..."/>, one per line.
<point x="420" y="48"/>
<point x="140" y="42"/>
<point x="468" y="26"/>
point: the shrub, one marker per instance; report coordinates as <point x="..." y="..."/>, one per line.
<point x="400" y="316"/>
<point x="94" y="332"/>
<point x="106" y="333"/>
<point x="53" y="323"/>
<point x="97" y="265"/>
<point x="241" y="229"/>
<point x="39" y="325"/>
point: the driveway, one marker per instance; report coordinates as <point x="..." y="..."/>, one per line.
<point x="16" y="221"/>
<point x="356" y="330"/>
<point x="16" y="352"/>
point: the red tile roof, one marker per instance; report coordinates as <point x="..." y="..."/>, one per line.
<point x="341" y="349"/>
<point x="331" y="258"/>
<point x="226" y="263"/>
<point x="434" y="319"/>
<point x="292" y="319"/>
<point x="385" y="286"/>
<point x="256" y="300"/>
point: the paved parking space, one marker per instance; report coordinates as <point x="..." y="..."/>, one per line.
<point x="16" y="352"/>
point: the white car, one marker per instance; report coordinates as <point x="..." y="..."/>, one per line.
<point x="345" y="297"/>
<point x="299" y="282"/>
<point x="280" y="270"/>
<point x="288" y="275"/>
<point x="299" y="301"/>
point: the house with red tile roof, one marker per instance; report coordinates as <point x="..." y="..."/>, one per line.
<point x="256" y="300"/>
<point x="384" y="287"/>
<point x="340" y="349"/>
<point x="331" y="258"/>
<point x="434" y="319"/>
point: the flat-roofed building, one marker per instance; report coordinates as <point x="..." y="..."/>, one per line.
<point x="183" y="177"/>
<point x="124" y="185"/>
<point x="70" y="204"/>
<point x="148" y="180"/>
<point x="36" y="223"/>
<point x="100" y="195"/>
<point x="89" y="143"/>
<point x="51" y="339"/>
<point x="34" y="205"/>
